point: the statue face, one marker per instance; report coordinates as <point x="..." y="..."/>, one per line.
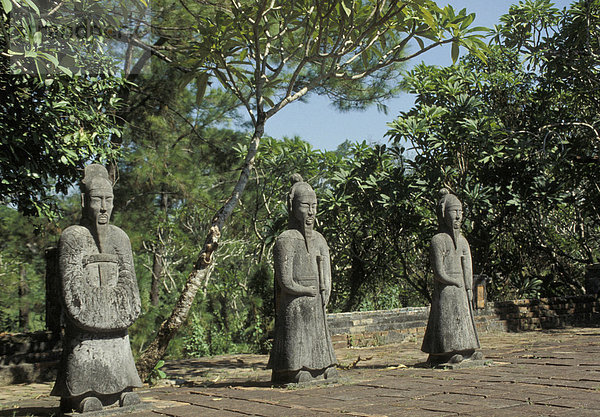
<point x="305" y="208"/>
<point x="99" y="203"/>
<point x="453" y="216"/>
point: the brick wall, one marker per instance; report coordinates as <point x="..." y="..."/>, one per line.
<point x="366" y="328"/>
<point x="28" y="357"/>
<point x="549" y="313"/>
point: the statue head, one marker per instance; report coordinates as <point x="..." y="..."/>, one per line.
<point x="302" y="205"/>
<point x="449" y="211"/>
<point x="97" y="195"/>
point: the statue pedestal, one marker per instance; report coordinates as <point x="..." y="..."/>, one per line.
<point x="113" y="411"/>
<point x="467" y="363"/>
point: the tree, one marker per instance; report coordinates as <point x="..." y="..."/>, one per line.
<point x="55" y="117"/>
<point x="170" y="146"/>
<point x="377" y="231"/>
<point x="21" y="271"/>
<point x="268" y="54"/>
<point x="516" y="137"/>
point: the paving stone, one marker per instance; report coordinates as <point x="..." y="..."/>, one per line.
<point x="428" y="404"/>
<point x="467" y="392"/>
<point x="578" y="394"/>
<point x="28" y="411"/>
<point x="268" y="395"/>
<point x="577" y="412"/>
<point x="345" y="393"/>
<point x="534" y="374"/>
<point x="520" y="395"/>
<point x="589" y="376"/>
<point x="391" y="410"/>
<point x="255" y="408"/>
<point x="563" y="383"/>
<point x="491" y="402"/>
<point x="393" y="393"/>
<point x="400" y="410"/>
<point x="195" y="411"/>
<point x="152" y="413"/>
<point x="517" y="411"/>
<point x="183" y="397"/>
<point x="312" y="402"/>
<point x="587" y="403"/>
<point x="455" y="398"/>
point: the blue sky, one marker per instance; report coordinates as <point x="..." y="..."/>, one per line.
<point x="320" y="124"/>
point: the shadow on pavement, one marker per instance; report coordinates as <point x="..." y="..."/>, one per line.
<point x="233" y="363"/>
<point x="232" y="384"/>
<point x="30" y="411"/>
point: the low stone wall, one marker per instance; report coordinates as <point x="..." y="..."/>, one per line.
<point x="28" y="357"/>
<point x="34" y="356"/>
<point x="371" y="328"/>
<point x="549" y="313"/>
<point x="368" y="328"/>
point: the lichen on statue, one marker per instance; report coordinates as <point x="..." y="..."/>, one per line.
<point x="100" y="300"/>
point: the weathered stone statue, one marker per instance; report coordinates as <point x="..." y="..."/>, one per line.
<point x="302" y="349"/>
<point x="100" y="300"/>
<point x="451" y="335"/>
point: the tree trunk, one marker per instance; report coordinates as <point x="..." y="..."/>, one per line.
<point x="357" y="277"/>
<point x="157" y="268"/>
<point x="203" y="266"/>
<point x="157" y="263"/>
<point x="23" y="304"/>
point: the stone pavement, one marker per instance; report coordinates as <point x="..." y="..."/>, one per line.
<point x="549" y="373"/>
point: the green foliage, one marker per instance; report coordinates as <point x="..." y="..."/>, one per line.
<point x="516" y="137"/>
<point x="261" y="308"/>
<point x="22" y="270"/>
<point x="376" y="227"/>
<point x="50" y="130"/>
<point x="55" y="116"/>
<point x="157" y="373"/>
<point x="196" y="344"/>
<point x="268" y="54"/>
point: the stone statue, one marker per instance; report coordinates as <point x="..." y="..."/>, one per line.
<point x="451" y="335"/>
<point x="100" y="300"/>
<point x="302" y="350"/>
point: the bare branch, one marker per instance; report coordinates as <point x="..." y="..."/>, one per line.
<point x="567" y="124"/>
<point x="229" y="82"/>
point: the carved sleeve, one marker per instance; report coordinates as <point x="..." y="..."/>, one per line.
<point x="437" y="253"/>
<point x="126" y="295"/>
<point x="89" y="305"/>
<point x="283" y="260"/>
<point x="70" y="261"/>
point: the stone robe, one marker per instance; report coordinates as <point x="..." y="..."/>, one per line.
<point x="450" y="328"/>
<point x="302" y="340"/>
<point x="100" y="301"/>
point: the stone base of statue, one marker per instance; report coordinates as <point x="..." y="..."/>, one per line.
<point x="305" y="377"/>
<point x="470" y="363"/>
<point x="458" y="360"/>
<point x="99" y="405"/>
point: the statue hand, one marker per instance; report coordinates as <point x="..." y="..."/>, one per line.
<point x="311" y="291"/>
<point x="449" y="280"/>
